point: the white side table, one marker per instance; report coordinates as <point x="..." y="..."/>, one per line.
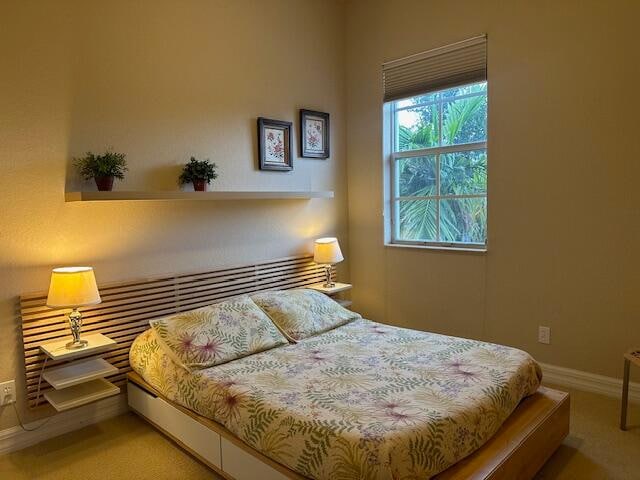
<point x="78" y="382"/>
<point x="632" y="356"/>
<point x="333" y="291"/>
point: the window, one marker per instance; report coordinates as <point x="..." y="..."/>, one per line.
<point x="439" y="167"/>
<point x="435" y="146"/>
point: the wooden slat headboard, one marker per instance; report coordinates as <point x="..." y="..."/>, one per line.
<point x="127" y="307"/>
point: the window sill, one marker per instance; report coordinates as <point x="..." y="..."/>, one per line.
<point x="437" y="248"/>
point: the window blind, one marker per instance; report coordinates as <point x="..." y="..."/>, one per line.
<point x="443" y="67"/>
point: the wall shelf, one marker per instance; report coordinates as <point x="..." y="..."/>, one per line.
<point x="81" y="394"/>
<point x="78" y="372"/>
<point x="57" y="349"/>
<point x="180" y="195"/>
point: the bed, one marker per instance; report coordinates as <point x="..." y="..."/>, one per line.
<point x="510" y="442"/>
<point x="360" y="401"/>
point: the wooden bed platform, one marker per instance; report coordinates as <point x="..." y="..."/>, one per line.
<point x="516" y="452"/>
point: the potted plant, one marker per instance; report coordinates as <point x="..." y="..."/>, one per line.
<point x="102" y="168"/>
<point x="198" y="172"/>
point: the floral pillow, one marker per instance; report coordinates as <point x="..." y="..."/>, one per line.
<point x="216" y="334"/>
<point x="302" y="312"/>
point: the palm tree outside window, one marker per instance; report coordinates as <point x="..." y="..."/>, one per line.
<point x="439" y="168"/>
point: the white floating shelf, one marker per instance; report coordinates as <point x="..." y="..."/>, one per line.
<point x="78" y="372"/>
<point x="81" y="394"/>
<point x="180" y="195"/>
<point x="338" y="287"/>
<point x="57" y="349"/>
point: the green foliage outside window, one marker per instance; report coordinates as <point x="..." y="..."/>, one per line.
<point x="462" y="121"/>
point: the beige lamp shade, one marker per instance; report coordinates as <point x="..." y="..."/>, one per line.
<point x="327" y="251"/>
<point x="72" y="287"/>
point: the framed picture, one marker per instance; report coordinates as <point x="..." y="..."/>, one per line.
<point x="274" y="144"/>
<point x="314" y="134"/>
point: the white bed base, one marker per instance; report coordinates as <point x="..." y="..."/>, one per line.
<point x="215" y="450"/>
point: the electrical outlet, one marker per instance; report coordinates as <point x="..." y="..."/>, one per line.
<point x="7" y="392"/>
<point x="544" y="335"/>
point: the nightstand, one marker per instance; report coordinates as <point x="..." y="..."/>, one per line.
<point x="82" y="381"/>
<point x="333" y="291"/>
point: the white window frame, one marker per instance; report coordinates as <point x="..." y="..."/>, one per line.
<point x="392" y="156"/>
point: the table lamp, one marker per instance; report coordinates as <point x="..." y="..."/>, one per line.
<point x="327" y="252"/>
<point x="73" y="287"/>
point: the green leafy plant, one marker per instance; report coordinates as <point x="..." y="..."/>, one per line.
<point x="198" y="170"/>
<point x="461" y="173"/>
<point x="109" y="164"/>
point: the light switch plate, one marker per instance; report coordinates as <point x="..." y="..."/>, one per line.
<point x="7" y="392"/>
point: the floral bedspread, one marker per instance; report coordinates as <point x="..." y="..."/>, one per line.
<point x="362" y="401"/>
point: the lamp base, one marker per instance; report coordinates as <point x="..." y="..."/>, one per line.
<point x="328" y="283"/>
<point x="76" y="345"/>
<point x="75" y="323"/>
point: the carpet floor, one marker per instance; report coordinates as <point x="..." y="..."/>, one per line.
<point x="126" y="447"/>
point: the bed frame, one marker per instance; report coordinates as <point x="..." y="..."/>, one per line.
<point x="517" y="451"/>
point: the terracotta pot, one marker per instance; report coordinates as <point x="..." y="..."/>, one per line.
<point x="105" y="184"/>
<point x="200" y="185"/>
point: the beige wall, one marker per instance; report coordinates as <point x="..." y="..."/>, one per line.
<point x="564" y="169"/>
<point x="159" y="80"/>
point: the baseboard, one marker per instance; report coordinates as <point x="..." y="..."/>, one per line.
<point x="15" y="438"/>
<point x="588" y="382"/>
